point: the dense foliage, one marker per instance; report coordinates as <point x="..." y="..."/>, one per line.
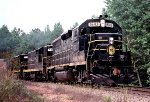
<point x="134" y="18"/>
<point x="17" y="41"/>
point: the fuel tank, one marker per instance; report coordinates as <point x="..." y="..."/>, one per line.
<point x="65" y="76"/>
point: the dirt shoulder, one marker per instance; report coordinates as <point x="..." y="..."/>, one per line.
<point x="51" y="92"/>
<point x="2" y="63"/>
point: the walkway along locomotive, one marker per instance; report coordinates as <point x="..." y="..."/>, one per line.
<point x="92" y="52"/>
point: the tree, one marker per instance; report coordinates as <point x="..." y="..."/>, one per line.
<point x="16" y="33"/>
<point x="18" y="42"/>
<point x="47" y="30"/>
<point x="57" y="31"/>
<point x="23" y="47"/>
<point x="133" y="16"/>
<point x="36" y="38"/>
<point x="6" y="39"/>
<point x="47" y="33"/>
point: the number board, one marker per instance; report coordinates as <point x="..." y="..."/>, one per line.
<point x="98" y="24"/>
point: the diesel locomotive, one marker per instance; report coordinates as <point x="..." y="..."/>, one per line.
<point x="92" y="52"/>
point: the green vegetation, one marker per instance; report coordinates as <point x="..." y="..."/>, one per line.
<point x="107" y="99"/>
<point x="134" y="18"/>
<point x="18" y="42"/>
<point x="12" y="90"/>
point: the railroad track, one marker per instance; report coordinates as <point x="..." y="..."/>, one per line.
<point x="141" y="91"/>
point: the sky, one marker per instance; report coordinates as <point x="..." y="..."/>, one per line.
<point x="30" y="14"/>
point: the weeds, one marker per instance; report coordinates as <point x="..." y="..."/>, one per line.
<point x="107" y="99"/>
<point x="59" y="89"/>
<point x="12" y="90"/>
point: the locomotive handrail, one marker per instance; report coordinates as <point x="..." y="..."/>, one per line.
<point x="109" y="33"/>
<point x="94" y="50"/>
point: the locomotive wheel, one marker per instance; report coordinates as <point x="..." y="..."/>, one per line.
<point x="45" y="77"/>
<point x="27" y="76"/>
<point x="81" y="76"/>
<point x="38" y="76"/>
<point x="53" y="78"/>
<point x="35" y="77"/>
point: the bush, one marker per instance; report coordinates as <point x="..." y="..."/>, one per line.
<point x="12" y="90"/>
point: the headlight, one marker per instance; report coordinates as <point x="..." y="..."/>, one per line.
<point x="102" y="23"/>
<point x="25" y="57"/>
<point x="50" y="49"/>
<point x="111" y="40"/>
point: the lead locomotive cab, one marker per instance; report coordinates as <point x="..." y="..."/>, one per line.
<point x="101" y="40"/>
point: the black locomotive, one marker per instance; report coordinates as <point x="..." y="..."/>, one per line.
<point x="92" y="52"/>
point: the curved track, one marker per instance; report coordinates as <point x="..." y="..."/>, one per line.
<point x="141" y="91"/>
<point x="79" y="91"/>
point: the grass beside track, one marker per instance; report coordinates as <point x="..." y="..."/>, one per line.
<point x="12" y="90"/>
<point x="60" y="92"/>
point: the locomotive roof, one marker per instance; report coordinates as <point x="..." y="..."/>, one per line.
<point x="17" y="56"/>
<point x="31" y="51"/>
<point x="23" y="54"/>
<point x="85" y="23"/>
<point x="58" y="38"/>
<point x="48" y="45"/>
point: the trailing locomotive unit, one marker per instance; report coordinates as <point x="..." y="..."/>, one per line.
<point x="38" y="61"/>
<point x="34" y="64"/>
<point x="92" y="52"/>
<point x="19" y="63"/>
